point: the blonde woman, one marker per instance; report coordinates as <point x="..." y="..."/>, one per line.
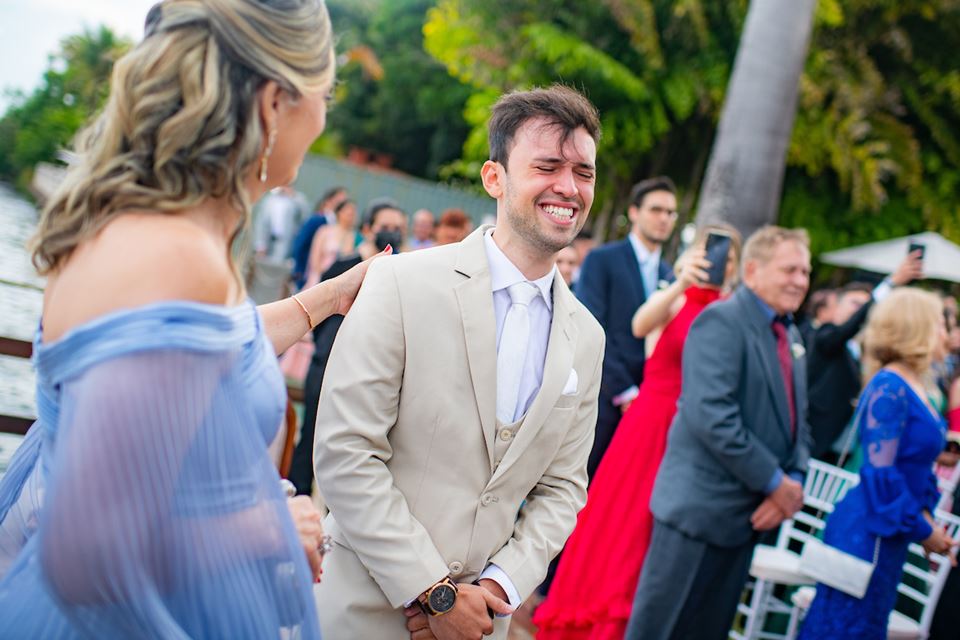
<point x="901" y="434"/>
<point x="157" y="384"/>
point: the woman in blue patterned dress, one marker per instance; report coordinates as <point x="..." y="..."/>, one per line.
<point x="901" y="435"/>
<point x="143" y="502"/>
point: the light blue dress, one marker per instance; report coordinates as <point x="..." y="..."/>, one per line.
<point x="162" y="513"/>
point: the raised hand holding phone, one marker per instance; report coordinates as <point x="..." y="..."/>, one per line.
<point x="717" y="253"/>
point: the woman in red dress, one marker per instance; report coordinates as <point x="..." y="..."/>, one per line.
<point x="592" y="593"/>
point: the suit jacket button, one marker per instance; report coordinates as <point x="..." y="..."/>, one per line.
<point x="506" y="435"/>
<point x="456" y="568"/>
<point x="486" y="499"/>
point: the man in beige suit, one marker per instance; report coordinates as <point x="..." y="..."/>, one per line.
<point x="458" y="410"/>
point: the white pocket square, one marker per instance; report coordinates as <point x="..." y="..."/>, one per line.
<point x="570" y="389"/>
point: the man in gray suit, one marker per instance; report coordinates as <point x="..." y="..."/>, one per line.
<point x="737" y="450"/>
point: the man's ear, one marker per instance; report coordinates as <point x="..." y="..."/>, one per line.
<point x="633" y="212"/>
<point x="492" y="174"/>
<point x="749" y="271"/>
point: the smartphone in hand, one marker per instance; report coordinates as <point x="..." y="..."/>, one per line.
<point x="718" y="250"/>
<point x="916" y="245"/>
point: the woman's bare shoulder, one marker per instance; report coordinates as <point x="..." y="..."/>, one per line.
<point x="136" y="260"/>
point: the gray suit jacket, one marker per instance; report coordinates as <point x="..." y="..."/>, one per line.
<point x="732" y="428"/>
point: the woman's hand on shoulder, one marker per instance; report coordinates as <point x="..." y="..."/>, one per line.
<point x="347" y="284"/>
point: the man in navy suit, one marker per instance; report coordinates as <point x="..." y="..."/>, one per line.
<point x="615" y="280"/>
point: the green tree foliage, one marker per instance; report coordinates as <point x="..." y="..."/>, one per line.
<point x="655" y="69"/>
<point x="392" y="97"/>
<point x="875" y="149"/>
<point x="74" y="86"/>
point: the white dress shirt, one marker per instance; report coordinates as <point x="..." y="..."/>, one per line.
<point x="649" y="262"/>
<point x="504" y="273"/>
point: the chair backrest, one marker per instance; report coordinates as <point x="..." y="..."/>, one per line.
<point x="825" y="486"/>
<point x="923" y="578"/>
<point x="947" y="480"/>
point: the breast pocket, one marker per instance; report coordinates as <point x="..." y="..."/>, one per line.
<point x="567" y="402"/>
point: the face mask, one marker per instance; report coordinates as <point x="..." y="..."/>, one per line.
<point x="388" y="236"/>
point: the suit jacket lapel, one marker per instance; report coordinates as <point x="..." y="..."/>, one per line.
<point x="799" y="375"/>
<point x="556" y="369"/>
<point x="766" y="346"/>
<point x="475" y="298"/>
<point x="666" y="272"/>
<point x="633" y="268"/>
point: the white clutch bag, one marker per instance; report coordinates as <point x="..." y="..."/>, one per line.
<point x="838" y="569"/>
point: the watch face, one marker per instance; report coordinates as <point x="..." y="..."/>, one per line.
<point x="442" y="598"/>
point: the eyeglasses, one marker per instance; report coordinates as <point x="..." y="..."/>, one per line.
<point x="659" y="211"/>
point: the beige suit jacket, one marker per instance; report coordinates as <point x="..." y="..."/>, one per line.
<point x="404" y="448"/>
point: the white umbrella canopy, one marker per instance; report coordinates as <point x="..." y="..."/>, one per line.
<point x="941" y="259"/>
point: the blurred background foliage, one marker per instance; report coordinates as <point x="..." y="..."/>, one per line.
<point x="74" y="86"/>
<point x="875" y="152"/>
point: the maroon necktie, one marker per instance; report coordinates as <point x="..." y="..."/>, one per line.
<point x="786" y="367"/>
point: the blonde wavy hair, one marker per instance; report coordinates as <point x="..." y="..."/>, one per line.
<point x="762" y="243"/>
<point x="902" y="329"/>
<point x="182" y="123"/>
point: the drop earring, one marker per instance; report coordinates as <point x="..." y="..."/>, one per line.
<point x="271" y="139"/>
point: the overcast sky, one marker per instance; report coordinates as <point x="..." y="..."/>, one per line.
<point x="31" y="30"/>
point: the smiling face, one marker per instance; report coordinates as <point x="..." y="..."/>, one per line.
<point x="783" y="280"/>
<point x="545" y="192"/>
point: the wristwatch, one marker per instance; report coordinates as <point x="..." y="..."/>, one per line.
<point x="440" y="598"/>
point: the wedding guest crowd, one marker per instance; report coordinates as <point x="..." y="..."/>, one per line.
<point x="592" y="594"/>
<point x="615" y="280"/>
<point x="833" y="356"/>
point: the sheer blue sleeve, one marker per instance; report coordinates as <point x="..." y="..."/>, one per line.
<point x="164" y="517"/>
<point x="891" y="507"/>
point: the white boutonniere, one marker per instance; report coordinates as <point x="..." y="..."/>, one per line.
<point x="663" y="284"/>
<point x="798" y="350"/>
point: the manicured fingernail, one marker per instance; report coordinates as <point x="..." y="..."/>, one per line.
<point x="388" y="248"/>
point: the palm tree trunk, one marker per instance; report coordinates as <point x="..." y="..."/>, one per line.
<point x="745" y="174"/>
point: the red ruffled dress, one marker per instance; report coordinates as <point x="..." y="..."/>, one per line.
<point x="592" y="593"/>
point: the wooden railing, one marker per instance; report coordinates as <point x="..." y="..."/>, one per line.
<point x="17" y="349"/>
<point x="19" y="425"/>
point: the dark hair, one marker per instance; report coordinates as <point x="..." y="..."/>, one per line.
<point x="454" y="218"/>
<point x="854" y="287"/>
<point x="329" y="194"/>
<point x="642" y="188"/>
<point x="561" y="106"/>
<point x="377" y="205"/>
<point x="818" y="300"/>
<point x="342" y="205"/>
